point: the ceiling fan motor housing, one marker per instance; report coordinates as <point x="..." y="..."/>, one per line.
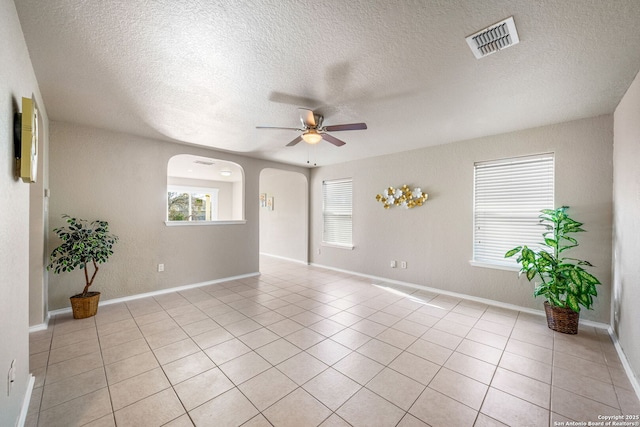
<point x="313" y="130"/>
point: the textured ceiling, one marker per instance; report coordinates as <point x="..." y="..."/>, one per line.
<point x="208" y="72"/>
<point x="205" y="168"/>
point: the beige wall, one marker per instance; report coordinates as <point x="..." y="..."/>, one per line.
<point x="436" y="239"/>
<point x="39" y="222"/>
<point x="17" y="81"/>
<point x="626" y="241"/>
<point x="122" y="179"/>
<point x="284" y="231"/>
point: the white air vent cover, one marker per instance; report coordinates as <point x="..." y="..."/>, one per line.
<point x="494" y="38"/>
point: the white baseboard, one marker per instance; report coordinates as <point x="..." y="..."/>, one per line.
<point x="41" y="326"/>
<point x="52" y="313"/>
<point x="494" y="303"/>
<point x="284" y="258"/>
<point x="625" y="362"/>
<point x="25" y="402"/>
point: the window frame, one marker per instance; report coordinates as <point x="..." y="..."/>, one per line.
<point x="191" y="190"/>
<point x="326" y="215"/>
<point x="521" y="223"/>
<point x="178" y="170"/>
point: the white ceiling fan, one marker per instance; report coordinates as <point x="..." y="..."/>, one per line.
<point x="313" y="130"/>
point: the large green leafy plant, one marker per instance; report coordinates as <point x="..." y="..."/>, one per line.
<point x="565" y="283"/>
<point x="83" y="242"/>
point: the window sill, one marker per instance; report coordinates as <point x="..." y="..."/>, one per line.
<point x="337" y="246"/>
<point x="199" y="223"/>
<point x="484" y="264"/>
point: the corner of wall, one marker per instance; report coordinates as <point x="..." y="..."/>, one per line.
<point x="626" y="205"/>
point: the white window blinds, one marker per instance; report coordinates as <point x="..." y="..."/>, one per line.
<point x="336" y="211"/>
<point x="508" y="197"/>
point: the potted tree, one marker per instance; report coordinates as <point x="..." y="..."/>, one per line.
<point x="564" y="282"/>
<point x="83" y="243"/>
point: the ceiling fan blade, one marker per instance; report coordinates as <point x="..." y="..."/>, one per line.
<point x="307" y="117"/>
<point x="332" y="139"/>
<point x="294" y="142"/>
<point x="287" y="98"/>
<point x="350" y="126"/>
<point x="276" y="127"/>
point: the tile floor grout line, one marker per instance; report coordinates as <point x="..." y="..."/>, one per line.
<point x="113" y="410"/>
<point x="492" y="375"/>
<point x="305" y="295"/>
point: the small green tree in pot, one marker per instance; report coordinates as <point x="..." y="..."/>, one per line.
<point x="564" y="282"/>
<point x="83" y="243"/>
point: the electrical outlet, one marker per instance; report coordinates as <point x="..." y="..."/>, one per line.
<point x="11" y="376"/>
<point x="393" y="264"/>
<point x="319" y="251"/>
<point x="160" y="268"/>
<point x="403" y="264"/>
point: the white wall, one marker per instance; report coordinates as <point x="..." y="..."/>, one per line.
<point x="17" y="81"/>
<point x="626" y="240"/>
<point x="39" y="223"/>
<point x="237" y="212"/>
<point x="284" y="231"/>
<point x="436" y="239"/>
<point x="96" y="174"/>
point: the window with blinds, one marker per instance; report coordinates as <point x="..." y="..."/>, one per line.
<point x="508" y="197"/>
<point x="337" y="198"/>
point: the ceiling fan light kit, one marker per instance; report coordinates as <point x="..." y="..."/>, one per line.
<point x="313" y="130"/>
<point x="311" y="136"/>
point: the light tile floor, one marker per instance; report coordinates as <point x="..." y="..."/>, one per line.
<point x="303" y="346"/>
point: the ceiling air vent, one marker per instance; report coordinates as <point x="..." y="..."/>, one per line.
<point x="494" y="38"/>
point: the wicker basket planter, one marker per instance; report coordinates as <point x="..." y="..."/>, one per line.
<point x="562" y="319"/>
<point x="85" y="306"/>
<point x="84" y="244"/>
